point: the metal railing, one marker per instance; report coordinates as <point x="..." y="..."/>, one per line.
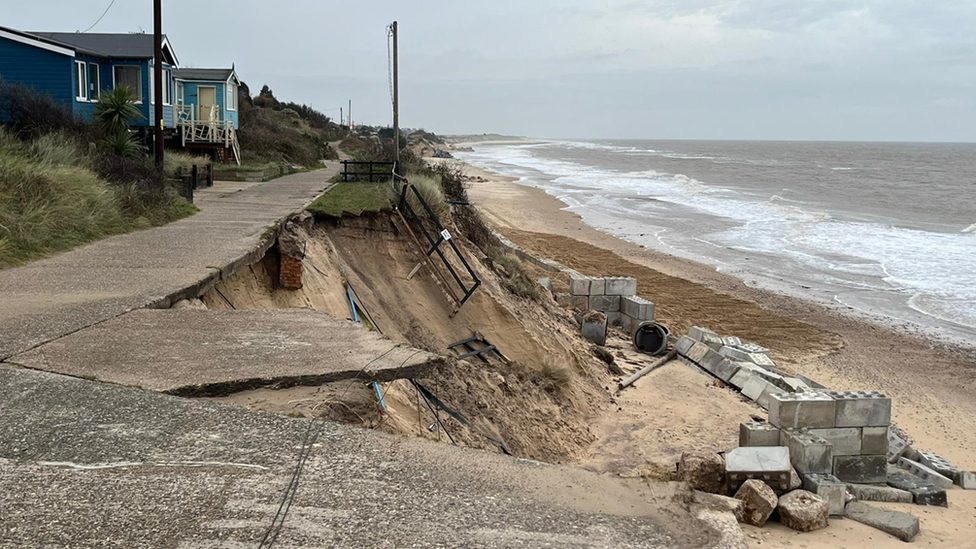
<point x="435" y="244"/>
<point x="371" y="173"/>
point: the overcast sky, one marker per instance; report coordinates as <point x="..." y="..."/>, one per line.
<point x="691" y="69"/>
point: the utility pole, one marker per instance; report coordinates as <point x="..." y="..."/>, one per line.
<point x="396" y="102"/>
<point x="350" y="114"/>
<point x="158" y="83"/>
<point x="342" y="121"/>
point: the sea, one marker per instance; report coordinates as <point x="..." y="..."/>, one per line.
<point x="882" y="230"/>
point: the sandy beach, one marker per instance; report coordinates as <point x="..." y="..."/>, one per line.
<point x="677" y="410"/>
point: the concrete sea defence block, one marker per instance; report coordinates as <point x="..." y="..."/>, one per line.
<point x="861" y="409"/>
<point x="712" y="341"/>
<point x="802" y="511"/>
<point x="966" y="480"/>
<point x="768" y="464"/>
<point x="628" y="323"/>
<point x="845" y="440"/>
<point x="938" y="464"/>
<point x="613" y="318"/>
<point x="874" y="440"/>
<point x="754" y="387"/>
<point x="766" y="397"/>
<point x="901" y="525"/>
<point x="741" y="376"/>
<point x="594" y="327"/>
<point x="684" y="344"/>
<point x="755" y="433"/>
<point x="696" y="332"/>
<point x="830" y="488"/>
<point x="621" y="285"/>
<point x="861" y="469"/>
<point x="811" y="410"/>
<point x="808" y="452"/>
<point x="579" y="285"/>
<point x="605" y="303"/>
<point x="731" y="341"/>
<point x="886" y="494"/>
<point x="923" y="492"/>
<point x="732" y="352"/>
<point x="598" y="286"/>
<point x="743" y="356"/>
<point x="925" y="473"/>
<point x="637" y="307"/>
<point x="750" y="348"/>
<point x="897" y="445"/>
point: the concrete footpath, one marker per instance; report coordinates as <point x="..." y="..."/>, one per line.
<point x="47" y="299"/>
<point x="86" y="464"/>
<point x="209" y="353"/>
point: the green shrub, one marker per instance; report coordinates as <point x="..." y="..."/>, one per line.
<point x="429" y="188"/>
<point x="115" y="110"/>
<point x="513" y="276"/>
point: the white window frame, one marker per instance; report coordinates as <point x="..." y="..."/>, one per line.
<point x="167" y="90"/>
<point x="230" y="93"/>
<point x="94" y="93"/>
<point x="139" y="91"/>
<point x="81" y="80"/>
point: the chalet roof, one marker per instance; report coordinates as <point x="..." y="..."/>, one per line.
<point x="211" y="75"/>
<point x="119" y="45"/>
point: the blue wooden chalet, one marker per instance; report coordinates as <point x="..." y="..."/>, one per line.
<point x="199" y="105"/>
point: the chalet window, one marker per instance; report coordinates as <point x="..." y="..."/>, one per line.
<point x="166" y="88"/>
<point x="231" y="97"/>
<point x="94" y="81"/>
<point x="129" y="76"/>
<point x="81" y="80"/>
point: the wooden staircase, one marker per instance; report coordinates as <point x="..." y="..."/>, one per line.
<point x="211" y="133"/>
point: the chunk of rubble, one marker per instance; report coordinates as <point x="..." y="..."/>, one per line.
<point x="720" y="503"/>
<point x="802" y="511"/>
<point x="901" y="525"/>
<point x="758" y="502"/>
<point x="703" y="471"/>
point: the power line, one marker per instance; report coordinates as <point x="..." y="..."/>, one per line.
<point x="112" y="3"/>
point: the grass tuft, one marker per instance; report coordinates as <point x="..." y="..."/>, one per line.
<point x="554" y="376"/>
<point x="513" y="276"/>
<point x="429" y="188"/>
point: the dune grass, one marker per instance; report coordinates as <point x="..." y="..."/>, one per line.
<point x="51" y="200"/>
<point x="354" y="198"/>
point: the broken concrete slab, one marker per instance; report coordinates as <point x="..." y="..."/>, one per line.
<point x="769" y="464"/>
<point x="202" y="353"/>
<point x="717" y="502"/>
<point x="923" y="492"/>
<point x="861" y="409"/>
<point x="831" y="489"/>
<point x="755" y="433"/>
<point x="901" y="525"/>
<point x="938" y="464"/>
<point x="861" y="469"/>
<point x="925" y="473"/>
<point x="802" y="410"/>
<point x="802" y="511"/>
<point x="758" y="501"/>
<point x="885" y="494"/>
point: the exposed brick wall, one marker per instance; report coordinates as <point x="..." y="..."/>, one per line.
<point x="290" y="275"/>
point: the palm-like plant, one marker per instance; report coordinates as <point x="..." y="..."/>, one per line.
<point x="124" y="144"/>
<point x="115" y="110"/>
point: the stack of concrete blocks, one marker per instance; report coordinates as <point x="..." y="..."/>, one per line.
<point x="615" y="296"/>
<point x="701" y="355"/>
<point x="853" y="424"/>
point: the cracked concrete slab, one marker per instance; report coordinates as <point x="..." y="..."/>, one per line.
<point x="86" y="465"/>
<point x="205" y="353"/>
<point x="49" y="298"/>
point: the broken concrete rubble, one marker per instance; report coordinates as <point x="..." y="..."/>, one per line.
<point x="923" y="492"/>
<point x="802" y="511"/>
<point x="901" y="525"/>
<point x="704" y="472"/>
<point x="758" y="501"/>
